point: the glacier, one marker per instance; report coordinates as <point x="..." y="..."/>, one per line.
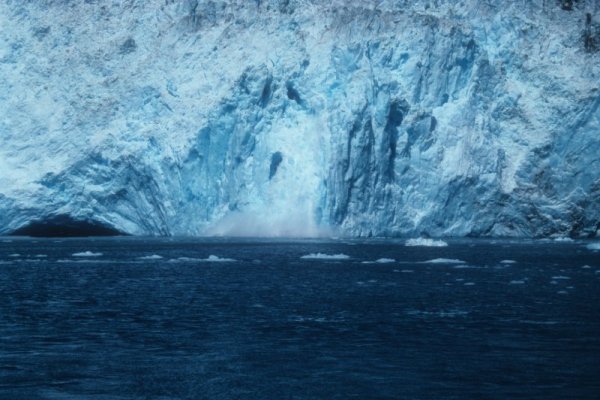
<point x="302" y="117"/>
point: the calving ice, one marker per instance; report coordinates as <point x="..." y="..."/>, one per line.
<point x="300" y="117"/>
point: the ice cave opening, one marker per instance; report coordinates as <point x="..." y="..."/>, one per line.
<point x="65" y="226"/>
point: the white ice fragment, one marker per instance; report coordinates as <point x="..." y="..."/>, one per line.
<point x="563" y="239"/>
<point x="444" y="261"/>
<point x="152" y="257"/>
<point x="560" y="277"/>
<point x="594" y="246"/>
<point x="321" y="256"/>
<point x="425" y="242"/>
<point x="212" y="258"/>
<point x="87" y="254"/>
<point x="380" y="261"/>
<point x="508" y="262"/>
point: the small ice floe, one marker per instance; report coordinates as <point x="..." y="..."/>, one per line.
<point x="517" y="282"/>
<point x="586" y="267"/>
<point x="40" y="256"/>
<point x="560" y="277"/>
<point x="321" y="256"/>
<point x="563" y="239"/>
<point x="184" y="259"/>
<point x="469" y="284"/>
<point x="87" y="254"/>
<point x="508" y="262"/>
<point x="380" y="261"/>
<point x="150" y="258"/>
<point x="212" y="258"/>
<point x="14" y="255"/>
<point x="407" y="271"/>
<point x="425" y="242"/>
<point x="594" y="246"/>
<point x="464" y="266"/>
<point x="562" y="292"/>
<point x="7" y="241"/>
<point x="444" y="261"/>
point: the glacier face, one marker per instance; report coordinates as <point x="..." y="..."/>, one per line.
<point x="302" y="117"/>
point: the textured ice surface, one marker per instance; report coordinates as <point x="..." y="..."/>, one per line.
<point x="426" y="242"/>
<point x="301" y="117"/>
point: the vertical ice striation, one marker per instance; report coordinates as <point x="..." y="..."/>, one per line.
<point x="302" y="117"/>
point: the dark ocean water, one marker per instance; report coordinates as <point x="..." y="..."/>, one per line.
<point x="271" y="325"/>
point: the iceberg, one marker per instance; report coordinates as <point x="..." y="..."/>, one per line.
<point x="300" y="118"/>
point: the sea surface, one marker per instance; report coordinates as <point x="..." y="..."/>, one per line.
<point x="138" y="318"/>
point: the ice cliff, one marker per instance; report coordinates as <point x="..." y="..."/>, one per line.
<point x="302" y="117"/>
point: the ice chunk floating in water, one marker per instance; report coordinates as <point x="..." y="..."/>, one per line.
<point x="321" y="256"/>
<point x="152" y="257"/>
<point x="213" y="258"/>
<point x="594" y="246"/>
<point x="444" y="261"/>
<point x="380" y="261"/>
<point x="425" y="242"/>
<point x="87" y="254"/>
